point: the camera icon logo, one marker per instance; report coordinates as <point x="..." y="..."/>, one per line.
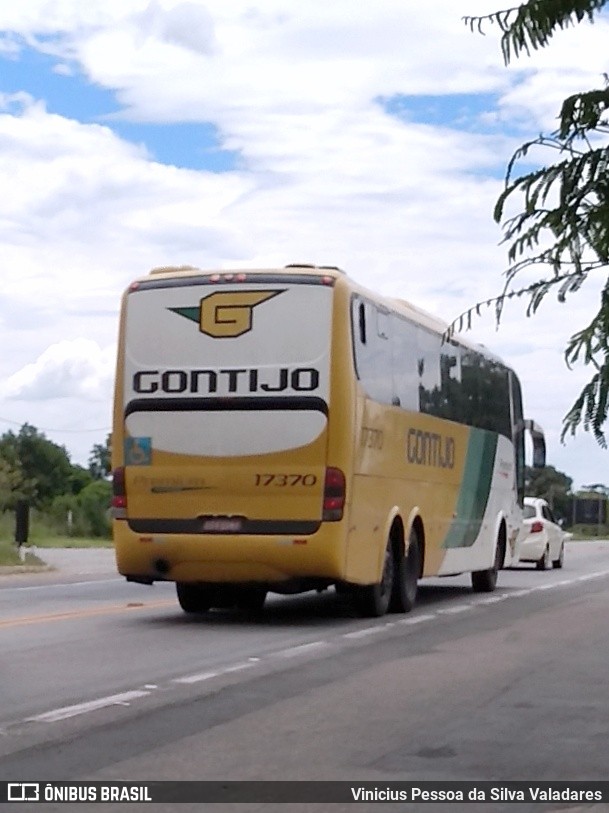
<point x="23" y="792"/>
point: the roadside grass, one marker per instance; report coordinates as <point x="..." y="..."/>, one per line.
<point x="68" y="542"/>
<point x="10" y="555"/>
<point x="587" y="533"/>
<point x="42" y="534"/>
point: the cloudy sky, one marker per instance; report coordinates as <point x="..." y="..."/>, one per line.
<point x="238" y="133"/>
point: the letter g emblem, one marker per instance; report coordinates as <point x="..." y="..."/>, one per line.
<point x="226" y="314"/>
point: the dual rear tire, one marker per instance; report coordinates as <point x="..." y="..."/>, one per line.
<point x="199" y="598"/>
<point x="397" y="590"/>
<point x="485" y="581"/>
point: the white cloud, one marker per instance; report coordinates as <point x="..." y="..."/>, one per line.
<point x="67" y="369"/>
<point x="325" y="176"/>
<point x="88" y="209"/>
<point x="187" y="24"/>
<point x="9" y="48"/>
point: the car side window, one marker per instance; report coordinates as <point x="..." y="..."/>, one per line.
<point x="547" y="513"/>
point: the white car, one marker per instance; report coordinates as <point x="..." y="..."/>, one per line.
<point x="544" y="541"/>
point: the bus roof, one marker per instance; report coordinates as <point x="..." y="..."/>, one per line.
<point x="399" y="305"/>
<point x="293" y="268"/>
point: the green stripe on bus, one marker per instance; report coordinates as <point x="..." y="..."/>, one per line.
<point x="475" y="489"/>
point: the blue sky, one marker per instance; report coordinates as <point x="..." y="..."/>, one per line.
<point x="190" y="145"/>
<point x="372" y="137"/>
<point x="464" y="111"/>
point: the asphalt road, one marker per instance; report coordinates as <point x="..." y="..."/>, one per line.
<point x="100" y="679"/>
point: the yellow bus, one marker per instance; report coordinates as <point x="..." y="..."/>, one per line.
<point x="287" y="430"/>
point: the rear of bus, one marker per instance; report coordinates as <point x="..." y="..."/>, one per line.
<point x="224" y="472"/>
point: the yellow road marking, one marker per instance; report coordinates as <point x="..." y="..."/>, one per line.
<point x="78" y="614"/>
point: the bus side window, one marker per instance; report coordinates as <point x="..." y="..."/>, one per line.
<point x="382" y="324"/>
<point x="362" y="323"/>
<point x="404" y="364"/>
<point x="372" y="349"/>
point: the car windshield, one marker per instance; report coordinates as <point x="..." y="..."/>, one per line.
<point x="529" y="511"/>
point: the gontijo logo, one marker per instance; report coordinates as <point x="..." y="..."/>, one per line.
<point x="226" y="314"/>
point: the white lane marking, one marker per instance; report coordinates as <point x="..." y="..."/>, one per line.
<point x="196" y="678"/>
<point x="460" y="608"/>
<point x="417" y="619"/>
<point x="363" y="633"/>
<point x="201" y="676"/>
<point x="64" y="713"/>
<point x="236" y="668"/>
<point x="518" y="593"/>
<point x="62" y="586"/>
<point x="296" y="650"/>
<point x="492" y="599"/>
<point x="596" y="575"/>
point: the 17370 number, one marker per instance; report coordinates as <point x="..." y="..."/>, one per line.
<point x="285" y="480"/>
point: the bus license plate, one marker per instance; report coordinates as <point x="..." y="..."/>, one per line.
<point x="222" y="525"/>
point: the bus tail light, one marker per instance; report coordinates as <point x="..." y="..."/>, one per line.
<point x="536" y="527"/>
<point x="334" y="495"/>
<point x="119" y="494"/>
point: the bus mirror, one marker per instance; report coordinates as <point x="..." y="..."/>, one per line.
<point x="539" y="444"/>
<point x="539" y="454"/>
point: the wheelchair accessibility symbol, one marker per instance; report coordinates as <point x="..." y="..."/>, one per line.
<point x="138" y="451"/>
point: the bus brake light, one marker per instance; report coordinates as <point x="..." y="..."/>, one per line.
<point x="334" y="495"/>
<point x="119" y="494"/>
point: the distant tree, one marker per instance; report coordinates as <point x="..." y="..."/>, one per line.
<point x="13" y="485"/>
<point x="596" y="489"/>
<point x="94" y="502"/>
<point x="552" y="485"/>
<point x="99" y="459"/>
<point x="86" y="513"/>
<point x="44" y="465"/>
<point x="63" y="512"/>
<point x="562" y="229"/>
<point x="79" y="478"/>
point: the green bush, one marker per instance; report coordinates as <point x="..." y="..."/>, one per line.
<point x="590" y="531"/>
<point x="94" y="504"/>
<point x="10" y="555"/>
<point x="84" y="515"/>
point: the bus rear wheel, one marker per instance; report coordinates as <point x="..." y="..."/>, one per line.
<point x="406" y="577"/>
<point x="193" y="598"/>
<point x="372" y="600"/>
<point x="485" y="581"/>
<point x="250" y="599"/>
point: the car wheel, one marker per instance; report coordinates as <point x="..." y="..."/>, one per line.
<point x="544" y="562"/>
<point x="558" y="563"/>
<point x="372" y="600"/>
